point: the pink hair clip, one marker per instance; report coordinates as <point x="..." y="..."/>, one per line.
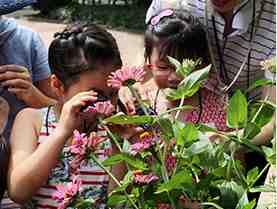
<point x="165" y="13"/>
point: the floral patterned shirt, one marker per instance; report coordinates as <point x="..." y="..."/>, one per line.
<point x="213" y="106"/>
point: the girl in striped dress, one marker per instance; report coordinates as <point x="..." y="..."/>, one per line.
<point x="81" y="58"/>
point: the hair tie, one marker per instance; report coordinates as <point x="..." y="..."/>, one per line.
<point x="165" y="13"/>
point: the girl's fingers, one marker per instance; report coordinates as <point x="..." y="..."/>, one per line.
<point x="86" y="93"/>
<point x="83" y="100"/>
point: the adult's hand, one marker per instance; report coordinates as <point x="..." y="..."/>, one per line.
<point x="17" y="80"/>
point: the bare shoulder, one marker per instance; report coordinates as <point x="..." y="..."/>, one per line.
<point x="29" y="118"/>
<point x="30" y="114"/>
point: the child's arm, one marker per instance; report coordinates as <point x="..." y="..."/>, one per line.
<point x="29" y="167"/>
<point x="30" y="164"/>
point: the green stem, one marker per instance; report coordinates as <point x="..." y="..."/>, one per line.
<point x="134" y="93"/>
<point x="171" y="201"/>
<point x="211" y="204"/>
<point x="180" y="105"/>
<point x="111" y="135"/>
<point x="141" y="199"/>
<point x="165" y="174"/>
<point x="249" y="145"/>
<point x="238" y="172"/>
<point x="186" y="107"/>
<point x="261" y="173"/>
<point x="114" y="179"/>
<point x="228" y="172"/>
<point x="260" y="108"/>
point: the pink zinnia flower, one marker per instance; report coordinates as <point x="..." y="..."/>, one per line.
<point x="170" y="162"/>
<point x="163" y="206"/>
<point x="126" y="76"/>
<point x="103" y="108"/>
<point x="94" y="141"/>
<point x="65" y="193"/>
<point x="79" y="143"/>
<point x="140" y="178"/>
<point x="146" y="141"/>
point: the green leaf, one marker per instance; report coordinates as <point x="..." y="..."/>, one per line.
<point x="127" y="119"/>
<point x="176" y="182"/>
<point x="127" y="180"/>
<point x="183" y="92"/>
<point x="174" y="62"/>
<point x="251" y="131"/>
<point x="166" y="128"/>
<point x="205" y="128"/>
<point x="135" y="162"/>
<point x="191" y="133"/>
<point x="265" y="113"/>
<point x="113" y="160"/>
<point x="244" y="203"/>
<point x="178" y="129"/>
<point x="237" y="111"/>
<point x="250" y="205"/>
<point x="185" y="133"/>
<point x="200" y="146"/>
<point x="230" y="194"/>
<point x="270" y="154"/>
<point x="190" y="85"/>
<point x="260" y="83"/>
<point x="263" y="188"/>
<point x="252" y="176"/>
<point x="196" y="76"/>
<point x="84" y="204"/>
<point x="116" y="200"/>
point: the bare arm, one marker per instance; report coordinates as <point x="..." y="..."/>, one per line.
<point x="28" y="170"/>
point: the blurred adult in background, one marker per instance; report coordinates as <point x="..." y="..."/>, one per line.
<point x="24" y="76"/>
<point x="241" y="34"/>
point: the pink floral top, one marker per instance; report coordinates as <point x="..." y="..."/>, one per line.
<point x="213" y="111"/>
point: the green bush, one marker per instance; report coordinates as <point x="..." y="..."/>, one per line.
<point x="124" y="17"/>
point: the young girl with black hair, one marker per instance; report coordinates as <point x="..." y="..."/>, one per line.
<point x="177" y="34"/>
<point x="81" y="58"/>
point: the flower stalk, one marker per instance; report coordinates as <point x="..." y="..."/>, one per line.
<point x="114" y="179"/>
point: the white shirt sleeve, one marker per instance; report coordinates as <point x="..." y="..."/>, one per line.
<point x="155" y="8"/>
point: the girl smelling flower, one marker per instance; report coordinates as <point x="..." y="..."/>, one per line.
<point x="52" y="150"/>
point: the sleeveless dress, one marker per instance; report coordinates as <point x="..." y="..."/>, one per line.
<point x="94" y="179"/>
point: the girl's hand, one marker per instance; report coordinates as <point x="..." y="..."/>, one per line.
<point x="70" y="118"/>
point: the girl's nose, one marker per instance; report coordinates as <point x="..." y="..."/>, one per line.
<point x="174" y="80"/>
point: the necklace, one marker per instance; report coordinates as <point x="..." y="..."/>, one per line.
<point x="222" y="73"/>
